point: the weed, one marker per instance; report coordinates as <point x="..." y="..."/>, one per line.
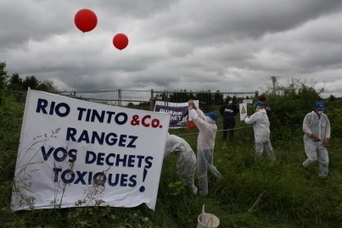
<point x="250" y="194"/>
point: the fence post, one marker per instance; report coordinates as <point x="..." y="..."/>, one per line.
<point x="119" y="97"/>
<point x="256" y="95"/>
<point x="152" y="101"/>
<point x="167" y="100"/>
<point x="152" y="95"/>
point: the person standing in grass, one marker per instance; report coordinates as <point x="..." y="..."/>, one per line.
<point x="261" y="128"/>
<point x="228" y="111"/>
<point x="206" y="124"/>
<point x="186" y="159"/>
<point x="316" y="127"/>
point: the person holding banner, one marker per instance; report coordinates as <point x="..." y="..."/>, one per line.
<point x="206" y="124"/>
<point x="228" y="111"/>
<point x="186" y="159"/>
<point x="261" y="128"/>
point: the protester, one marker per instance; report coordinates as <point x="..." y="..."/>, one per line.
<point x="228" y="111"/>
<point x="267" y="107"/>
<point x="186" y="159"/>
<point x="206" y="125"/>
<point x="316" y="127"/>
<point x="261" y="128"/>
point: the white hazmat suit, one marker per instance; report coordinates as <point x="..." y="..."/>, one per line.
<point x="315" y="149"/>
<point x="205" y="148"/>
<point x="261" y="128"/>
<point x="186" y="159"/>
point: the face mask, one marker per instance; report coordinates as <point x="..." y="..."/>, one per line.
<point x="230" y="102"/>
<point x="319" y="112"/>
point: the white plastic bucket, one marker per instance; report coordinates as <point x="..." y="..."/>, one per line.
<point x="211" y="221"/>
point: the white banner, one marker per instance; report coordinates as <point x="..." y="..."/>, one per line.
<point x="248" y="101"/>
<point x="75" y="153"/>
<point x="243" y="111"/>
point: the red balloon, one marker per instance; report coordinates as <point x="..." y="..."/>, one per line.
<point x="120" y="41"/>
<point x="85" y="20"/>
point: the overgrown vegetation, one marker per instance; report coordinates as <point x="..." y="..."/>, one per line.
<point x="250" y="195"/>
<point x="16" y="83"/>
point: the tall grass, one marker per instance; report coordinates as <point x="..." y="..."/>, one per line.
<point x="262" y="194"/>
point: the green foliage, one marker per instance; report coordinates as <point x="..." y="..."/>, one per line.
<point x="263" y="194"/>
<point x="181" y="96"/>
<point x="289" y="106"/>
<point x="47" y="86"/>
<point x="11" y="113"/>
<point x="176" y="188"/>
<point x="208" y="100"/>
<point x="14" y="82"/>
<point x="3" y="75"/>
<point x="334" y="112"/>
<point x="218" y="98"/>
<point x="205" y="98"/>
<point x="30" y="82"/>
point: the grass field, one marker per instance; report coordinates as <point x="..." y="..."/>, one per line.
<point x="263" y="194"/>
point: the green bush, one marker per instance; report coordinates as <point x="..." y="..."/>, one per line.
<point x="263" y="194"/>
<point x="289" y="107"/>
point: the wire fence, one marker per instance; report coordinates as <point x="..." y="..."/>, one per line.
<point x="145" y="99"/>
<point x="121" y="97"/>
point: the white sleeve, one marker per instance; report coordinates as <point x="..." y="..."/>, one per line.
<point x="306" y="124"/>
<point x="252" y="118"/>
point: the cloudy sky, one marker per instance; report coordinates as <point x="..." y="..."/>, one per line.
<point x="226" y="45"/>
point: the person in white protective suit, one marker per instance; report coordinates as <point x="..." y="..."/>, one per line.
<point x="316" y="127"/>
<point x="261" y="128"/>
<point x="186" y="159"/>
<point x="206" y="124"/>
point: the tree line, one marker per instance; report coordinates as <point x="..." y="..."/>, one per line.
<point x="289" y="103"/>
<point x="15" y="82"/>
<point x="207" y="97"/>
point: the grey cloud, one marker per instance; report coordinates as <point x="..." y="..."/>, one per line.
<point x="216" y="45"/>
